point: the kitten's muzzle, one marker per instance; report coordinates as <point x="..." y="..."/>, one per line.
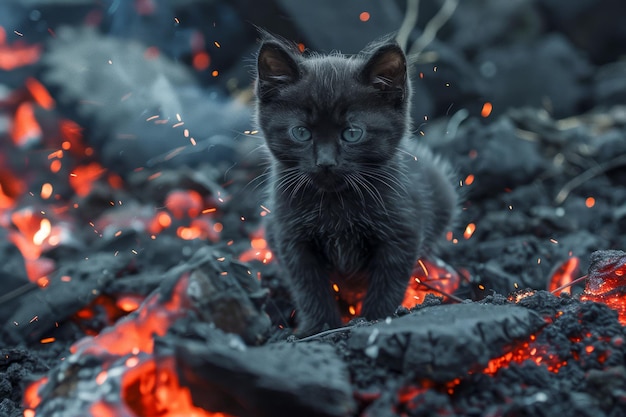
<point x="328" y="179"/>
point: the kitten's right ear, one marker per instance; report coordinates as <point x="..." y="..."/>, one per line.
<point x="275" y="65"/>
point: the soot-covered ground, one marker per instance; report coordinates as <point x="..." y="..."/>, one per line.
<point x="543" y="176"/>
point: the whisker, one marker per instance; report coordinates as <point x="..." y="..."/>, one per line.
<point x="387" y="181"/>
<point x="355" y="187"/>
<point x="371" y="190"/>
<point x="303" y="180"/>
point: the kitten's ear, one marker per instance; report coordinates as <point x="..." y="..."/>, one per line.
<point x="276" y="64"/>
<point x="386" y="68"/>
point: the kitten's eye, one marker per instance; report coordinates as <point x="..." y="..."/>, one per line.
<point x="300" y="133"/>
<point x="352" y="134"/>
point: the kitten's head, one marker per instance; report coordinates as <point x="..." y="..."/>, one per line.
<point x="330" y="116"/>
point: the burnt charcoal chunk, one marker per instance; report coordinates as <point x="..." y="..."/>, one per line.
<point x="610" y="84"/>
<point x="549" y="70"/>
<point x="503" y="158"/>
<point x="273" y="380"/>
<point x="445" y="342"/>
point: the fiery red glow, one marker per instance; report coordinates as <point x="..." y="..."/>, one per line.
<point x="201" y="60"/>
<point x="72" y="135"/>
<point x="526" y="351"/>
<point x="83" y="177"/>
<point x="428" y="277"/>
<point x="108" y="309"/>
<point x="18" y="54"/>
<point x="11" y="188"/>
<point x="135" y="334"/>
<point x="184" y="203"/>
<point x="31" y="396"/>
<point x="25" y="129"/>
<point x="148" y="388"/>
<point x="40" y="93"/>
<point x="564" y="276"/>
<point x="606" y="284"/>
<point x="152" y="389"/>
<point x="35" y="234"/>
<point x="408" y="396"/>
<point x="259" y="249"/>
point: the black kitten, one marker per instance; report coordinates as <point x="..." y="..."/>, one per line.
<point x="355" y="201"/>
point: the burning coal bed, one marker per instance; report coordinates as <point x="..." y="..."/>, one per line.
<point x="153" y="293"/>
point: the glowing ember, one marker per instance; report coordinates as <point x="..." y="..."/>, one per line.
<point x="428" y="277"/>
<point x="486" y="110"/>
<point x="201" y="61"/>
<point x="25" y="129"/>
<point x="107" y="310"/>
<point x="526" y="351"/>
<point x="11" y="188"/>
<point x="152" y="389"/>
<point x="147" y="387"/>
<point x="16" y="55"/>
<point x="200" y="228"/>
<point x="72" y="135"/>
<point x="136" y="332"/>
<point x="184" y="203"/>
<point x="40" y="93"/>
<point x="31" y="398"/>
<point x="564" y="276"/>
<point x="469" y="230"/>
<point x="606" y="281"/>
<point x="519" y="295"/>
<point x="83" y="177"/>
<point x="258" y="249"/>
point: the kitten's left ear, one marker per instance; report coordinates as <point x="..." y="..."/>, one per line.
<point x="386" y="68"/>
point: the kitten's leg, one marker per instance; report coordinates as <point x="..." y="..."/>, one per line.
<point x="316" y="307"/>
<point x="390" y="271"/>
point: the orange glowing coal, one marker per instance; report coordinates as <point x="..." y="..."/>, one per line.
<point x="200" y="228"/>
<point x="31" y="396"/>
<point x="82" y="177"/>
<point x="40" y="93"/>
<point x="25" y="129"/>
<point x="259" y="248"/>
<point x="72" y="135"/>
<point x="18" y="54"/>
<point x="11" y="188"/>
<point x="149" y="387"/>
<point x="184" y="203"/>
<point x="563" y="277"/>
<point x="135" y="333"/>
<point x="152" y="389"/>
<point x="34" y="234"/>
<point x="606" y="283"/>
<point x="526" y="351"/>
<point x="430" y="277"/>
<point x="109" y="309"/>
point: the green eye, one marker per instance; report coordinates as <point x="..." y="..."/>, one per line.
<point x="352" y="134"/>
<point x="300" y="134"/>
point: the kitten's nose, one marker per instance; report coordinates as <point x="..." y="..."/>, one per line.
<point x="326" y="163"/>
<point x="326" y="157"/>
